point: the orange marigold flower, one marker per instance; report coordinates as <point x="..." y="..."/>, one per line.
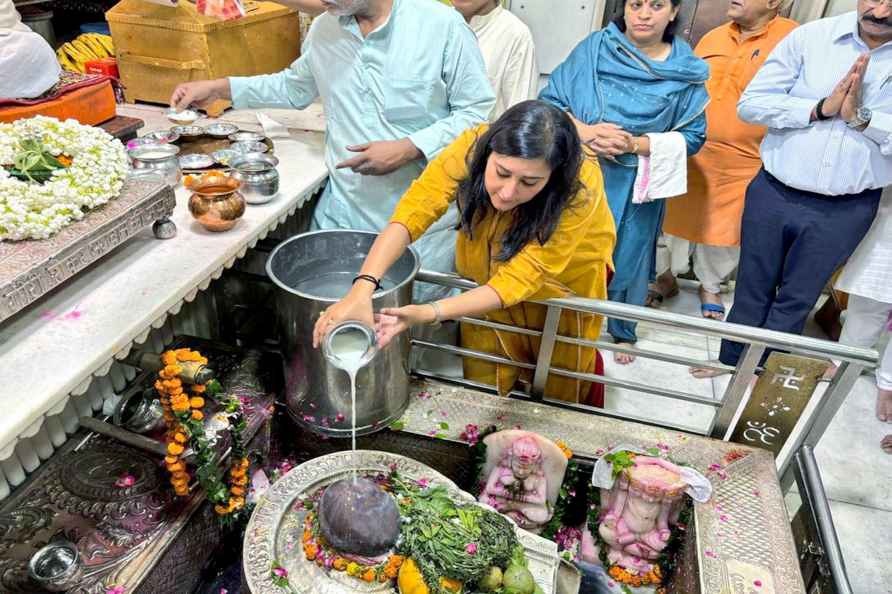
<point x="169" y="358"/>
<point x="369" y="575"/>
<point x="242" y="480"/>
<point x="159" y="385"/>
<point x="196" y="402"/>
<point x="340" y="564"/>
<point x="221" y="510"/>
<point x="237" y="490"/>
<point x="237" y="472"/>
<point x="568" y="453"/>
<point x="182" y="492"/>
<point x="174" y="449"/>
<point x="171" y="459"/>
<point x="197" y="415"/>
<point x="176" y="467"/>
<point x="308" y="535"/>
<point x="244" y="463"/>
<point x="310" y="551"/>
<point x="180" y="437"/>
<point x="391" y="571"/>
<point x="199" y="388"/>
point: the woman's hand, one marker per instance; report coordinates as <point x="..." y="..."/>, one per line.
<point x="355" y="306"/>
<point x="393" y="321"/>
<point x="606" y="139"/>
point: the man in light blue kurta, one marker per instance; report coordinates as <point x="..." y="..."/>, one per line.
<point x="418" y="76"/>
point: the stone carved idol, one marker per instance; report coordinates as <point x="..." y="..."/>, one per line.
<point x="641" y="505"/>
<point x="523" y="473"/>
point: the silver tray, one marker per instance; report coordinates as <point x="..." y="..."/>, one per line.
<point x="30" y="269"/>
<point x="275" y="527"/>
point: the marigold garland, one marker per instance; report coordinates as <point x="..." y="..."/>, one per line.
<point x="184" y="417"/>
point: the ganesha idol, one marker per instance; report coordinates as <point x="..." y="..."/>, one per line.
<point x="524" y="472"/>
<point x="640" y="506"/>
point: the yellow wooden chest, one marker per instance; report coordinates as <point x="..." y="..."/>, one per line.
<point x="159" y="47"/>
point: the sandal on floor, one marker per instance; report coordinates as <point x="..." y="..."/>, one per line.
<point x="654" y="299"/>
<point x="712" y="308"/>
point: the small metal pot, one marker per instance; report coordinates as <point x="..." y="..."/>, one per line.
<point x="216" y="202"/>
<point x="56" y="567"/>
<point x="160" y="159"/>
<point x="259" y="177"/>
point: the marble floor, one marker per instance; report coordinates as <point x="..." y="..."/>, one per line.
<point x="857" y="475"/>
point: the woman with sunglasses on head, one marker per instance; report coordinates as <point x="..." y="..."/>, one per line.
<point x="534" y="224"/>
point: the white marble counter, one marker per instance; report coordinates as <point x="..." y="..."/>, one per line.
<point x="54" y="349"/>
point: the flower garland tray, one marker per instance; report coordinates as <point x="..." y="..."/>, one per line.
<point x="30" y="269"/>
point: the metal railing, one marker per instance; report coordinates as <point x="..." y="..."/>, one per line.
<point x="756" y="341"/>
<point x="852" y="361"/>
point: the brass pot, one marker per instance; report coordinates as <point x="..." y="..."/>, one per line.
<point x="216" y="202"/>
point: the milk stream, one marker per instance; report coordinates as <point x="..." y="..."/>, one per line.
<point x="349" y="347"/>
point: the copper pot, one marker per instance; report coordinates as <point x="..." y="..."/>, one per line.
<point x="216" y="202"/>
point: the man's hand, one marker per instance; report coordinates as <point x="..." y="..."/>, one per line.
<point x="201" y="93"/>
<point x="833" y="104"/>
<point x="852" y="100"/>
<point x="380" y="157"/>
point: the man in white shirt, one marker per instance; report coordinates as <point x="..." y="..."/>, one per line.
<point x="508" y="51"/>
<point x="28" y="65"/>
<point x="825" y="94"/>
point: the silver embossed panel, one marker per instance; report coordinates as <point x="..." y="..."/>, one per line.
<point x="276" y="525"/>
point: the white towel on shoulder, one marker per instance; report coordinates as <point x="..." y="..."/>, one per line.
<point x="664" y="173"/>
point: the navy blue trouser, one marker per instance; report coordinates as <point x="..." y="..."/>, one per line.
<point x="791" y="243"/>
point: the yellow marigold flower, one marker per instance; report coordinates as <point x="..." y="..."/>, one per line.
<point x="171" y="459"/>
<point x="221" y="510"/>
<point x="199" y="388"/>
<point x="169" y="358"/>
<point x="196" y="402"/>
<point x="174" y="449"/>
<point x="197" y="415"/>
<point x="568" y="453"/>
<point x="180" y="437"/>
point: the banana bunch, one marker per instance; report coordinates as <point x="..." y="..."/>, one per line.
<point x="88" y="46"/>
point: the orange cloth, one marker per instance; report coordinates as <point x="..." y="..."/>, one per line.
<point x="90" y="106"/>
<point x="574" y="260"/>
<point x="719" y="174"/>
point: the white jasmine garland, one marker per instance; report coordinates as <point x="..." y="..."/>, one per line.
<point x="30" y="210"/>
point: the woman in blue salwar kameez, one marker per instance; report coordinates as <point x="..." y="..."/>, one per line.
<point x="632" y="78"/>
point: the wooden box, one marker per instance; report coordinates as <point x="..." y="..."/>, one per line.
<point x="159" y="47"/>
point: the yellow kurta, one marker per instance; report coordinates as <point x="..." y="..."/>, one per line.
<point x="574" y="261"/>
<point x="719" y="174"/>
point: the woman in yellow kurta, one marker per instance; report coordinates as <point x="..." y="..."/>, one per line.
<point x="534" y="225"/>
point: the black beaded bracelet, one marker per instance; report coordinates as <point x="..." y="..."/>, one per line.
<point x="819" y="110"/>
<point x="369" y="278"/>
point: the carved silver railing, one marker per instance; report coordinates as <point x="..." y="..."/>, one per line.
<point x="756" y="341"/>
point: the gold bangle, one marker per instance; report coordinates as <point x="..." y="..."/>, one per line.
<point x="438" y="315"/>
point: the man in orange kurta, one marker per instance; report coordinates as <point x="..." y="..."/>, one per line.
<point x="709" y="214"/>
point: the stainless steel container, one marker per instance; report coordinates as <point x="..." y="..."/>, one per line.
<point x="56" y="567"/>
<point x="157" y="158"/>
<point x="258" y="174"/>
<point x="313" y="271"/>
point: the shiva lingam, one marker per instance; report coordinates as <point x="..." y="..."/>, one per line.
<point x="524" y="473"/>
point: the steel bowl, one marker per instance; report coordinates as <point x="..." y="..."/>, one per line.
<point x="142" y="141"/>
<point x="188" y="130"/>
<point x="221" y="129"/>
<point x="158" y="159"/>
<point x="224" y="156"/>
<point x="245" y="136"/>
<point x="187" y="116"/>
<point x="196" y="161"/>
<point x="249" y="147"/>
<point x="56" y="567"/>
<point x="258" y="174"/>
<point x="164" y="136"/>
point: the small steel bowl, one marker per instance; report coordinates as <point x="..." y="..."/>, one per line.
<point x="188" y="130"/>
<point x="165" y="136"/>
<point x="56" y="567"/>
<point x="221" y="129"/>
<point x="245" y="136"/>
<point x="187" y="116"/>
<point x="224" y="156"/>
<point x="249" y="147"/>
<point x="142" y="141"/>
<point x="196" y="161"/>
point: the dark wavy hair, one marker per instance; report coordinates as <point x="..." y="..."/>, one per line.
<point x="668" y="34"/>
<point x="529" y="130"/>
